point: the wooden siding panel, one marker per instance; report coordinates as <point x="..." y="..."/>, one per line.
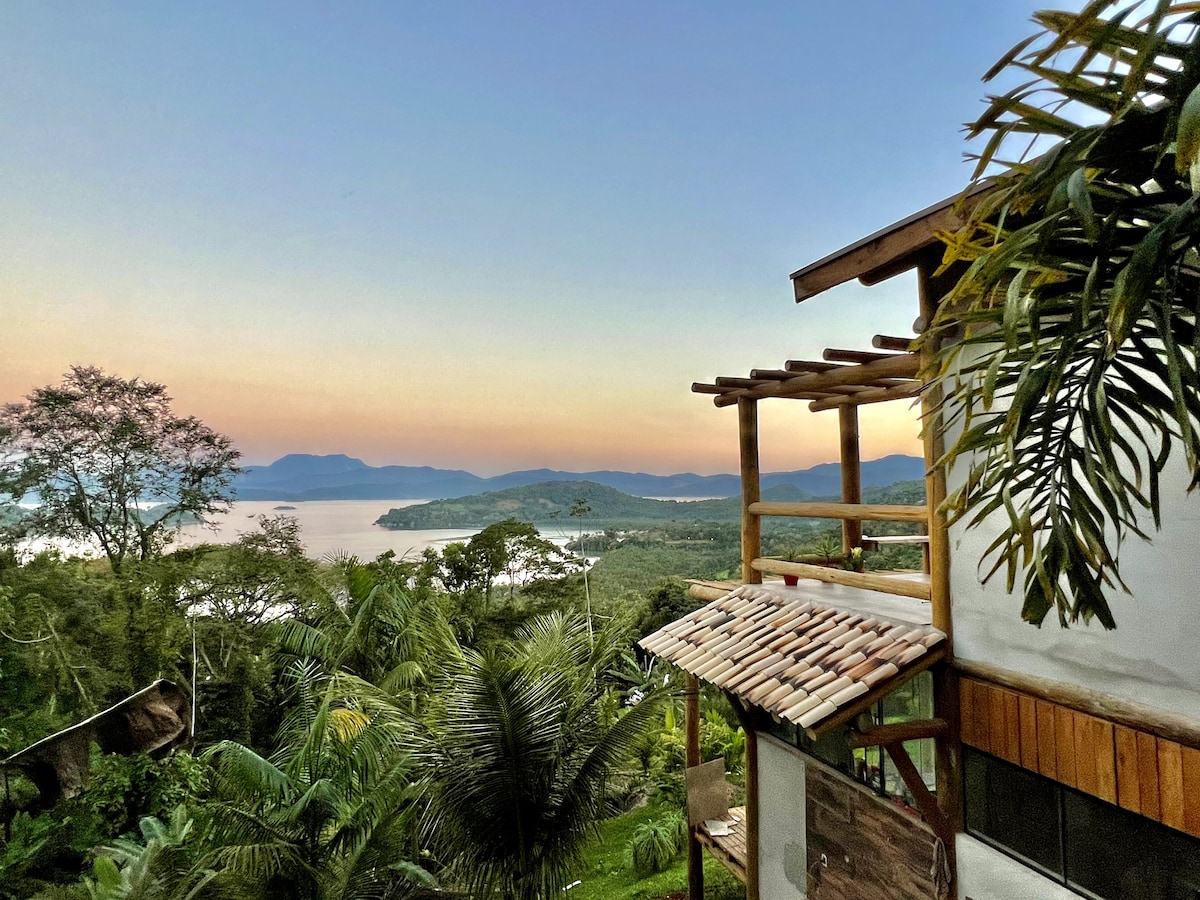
<point x="998" y="723"/>
<point x="1029" y="733"/>
<point x="1047" y="740"/>
<point x="1170" y="783"/>
<point x="1012" y="727"/>
<point x="1147" y="746"/>
<point x="1191" y="790"/>
<point x="1106" y="760"/>
<point x="966" y="712"/>
<point x="1085" y="753"/>
<point x="1064" y="726"/>
<point x="1128" y="796"/>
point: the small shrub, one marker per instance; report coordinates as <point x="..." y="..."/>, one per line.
<point x="656" y="843"/>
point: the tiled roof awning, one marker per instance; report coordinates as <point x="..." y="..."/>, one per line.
<point x="778" y="648"/>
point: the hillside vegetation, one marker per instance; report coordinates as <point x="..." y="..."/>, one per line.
<point x="552" y="501"/>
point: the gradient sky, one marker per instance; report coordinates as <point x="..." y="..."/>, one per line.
<point x="479" y="235"/>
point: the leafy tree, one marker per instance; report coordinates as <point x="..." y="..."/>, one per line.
<point x="1071" y="360"/>
<point x="518" y="756"/>
<point x="109" y="461"/>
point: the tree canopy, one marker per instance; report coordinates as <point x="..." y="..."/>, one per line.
<point x="108" y="460"/>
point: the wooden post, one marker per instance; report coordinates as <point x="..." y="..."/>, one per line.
<point x="751" y="489"/>
<point x="945" y="679"/>
<point x="851" y="474"/>
<point x="746" y="720"/>
<point x="691" y="721"/>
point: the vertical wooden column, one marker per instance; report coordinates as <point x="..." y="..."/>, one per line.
<point x="945" y="679"/>
<point x="746" y="720"/>
<point x="751" y="488"/>
<point x="691" y="723"/>
<point x="851" y="474"/>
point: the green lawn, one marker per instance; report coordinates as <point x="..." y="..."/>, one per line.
<point x="607" y="874"/>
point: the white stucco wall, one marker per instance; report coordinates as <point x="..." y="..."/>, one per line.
<point x="987" y="874"/>
<point x="1150" y="658"/>
<point x="781" y="810"/>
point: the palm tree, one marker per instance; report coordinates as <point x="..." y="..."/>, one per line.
<point x="518" y="755"/>
<point x="370" y="626"/>
<point x="329" y="815"/>
<point x="1071" y="361"/>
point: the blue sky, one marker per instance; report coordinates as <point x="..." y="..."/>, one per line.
<point x="488" y="236"/>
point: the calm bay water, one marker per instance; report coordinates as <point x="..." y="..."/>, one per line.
<point x="328" y="526"/>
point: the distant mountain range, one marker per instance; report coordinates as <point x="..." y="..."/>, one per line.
<point x="300" y="476"/>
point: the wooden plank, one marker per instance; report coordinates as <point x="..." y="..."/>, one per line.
<point x="1012" y="727"/>
<point x="1147" y="746"/>
<point x="1128" y="792"/>
<point x="1064" y="745"/>
<point x="998" y="723"/>
<point x="1085" y="753"/>
<point x="1171" y="726"/>
<point x="832" y="354"/>
<point x="870" y="581"/>
<point x="1191" y="790"/>
<point x="968" y="733"/>
<point x="1106" y="761"/>
<point x="882" y="249"/>
<point x="1170" y="783"/>
<point x="1029" y="740"/>
<point x="1047" y="733"/>
<point x="876" y="512"/>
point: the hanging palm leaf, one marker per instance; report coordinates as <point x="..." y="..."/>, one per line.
<point x="1070" y="360"/>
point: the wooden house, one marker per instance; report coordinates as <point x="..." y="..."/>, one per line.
<point x="908" y="736"/>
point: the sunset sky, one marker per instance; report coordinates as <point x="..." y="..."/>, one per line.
<point x="472" y="235"/>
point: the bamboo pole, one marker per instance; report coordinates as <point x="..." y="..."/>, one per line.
<point x="751" y="489"/>
<point x="746" y="720"/>
<point x="875" y="512"/>
<point x="691" y="721"/>
<point x="888" y="342"/>
<point x="888" y="584"/>
<point x="870" y="395"/>
<point x="853" y="356"/>
<point x="901" y="365"/>
<point x="851" y="474"/>
<point x="946" y="696"/>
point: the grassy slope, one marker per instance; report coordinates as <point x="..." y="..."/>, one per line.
<point x="608" y="876"/>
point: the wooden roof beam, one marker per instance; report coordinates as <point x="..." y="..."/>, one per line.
<point x="904" y="365"/>
<point x="888" y="342"/>
<point x="806" y="365"/>
<point x="888" y="251"/>
<point x="904" y="391"/>
<point x="853" y="356"/>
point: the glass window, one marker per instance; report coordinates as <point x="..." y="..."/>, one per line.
<point x="1112" y="852"/>
<point x="1016" y="809"/>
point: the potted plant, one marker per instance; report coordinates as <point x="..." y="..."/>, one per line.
<point x="792" y="554"/>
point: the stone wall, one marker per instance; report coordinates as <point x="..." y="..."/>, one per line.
<point x="863" y="847"/>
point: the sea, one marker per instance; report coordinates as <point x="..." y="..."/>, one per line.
<point x="327" y="527"/>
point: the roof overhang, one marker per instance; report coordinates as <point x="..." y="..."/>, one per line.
<point x="803" y="660"/>
<point x="890" y="250"/>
